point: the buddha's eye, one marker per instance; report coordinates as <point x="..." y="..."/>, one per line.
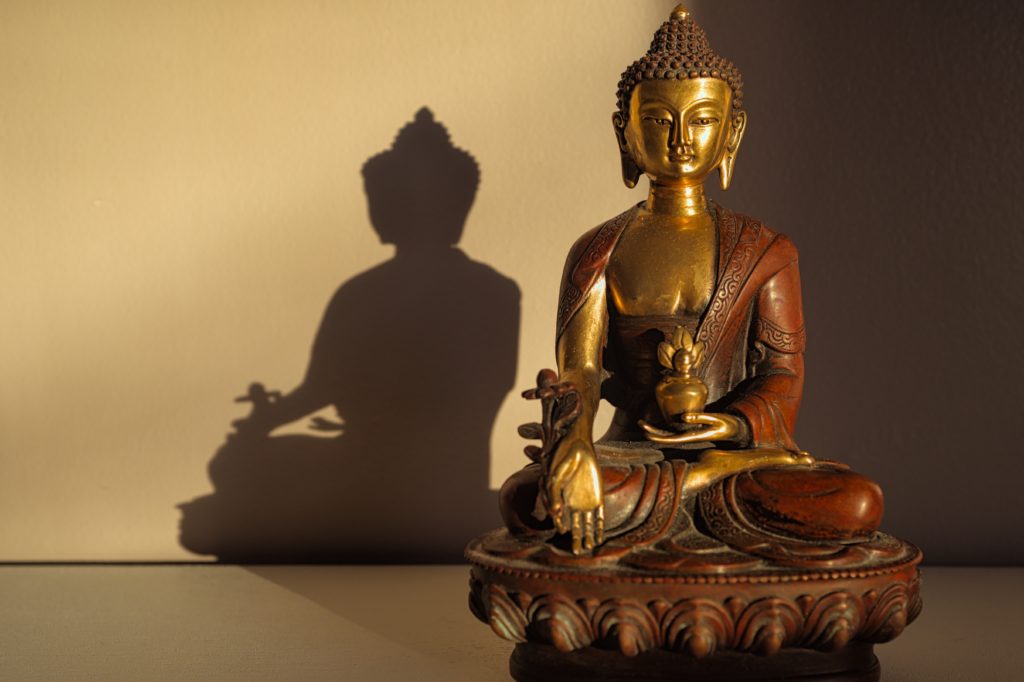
<point x="703" y="121"/>
<point x="659" y="121"/>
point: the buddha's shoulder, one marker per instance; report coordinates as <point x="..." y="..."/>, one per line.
<point x="753" y="229"/>
<point x="603" y="236"/>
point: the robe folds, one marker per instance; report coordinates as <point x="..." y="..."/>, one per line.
<point x="753" y="330"/>
<point x="753" y="327"/>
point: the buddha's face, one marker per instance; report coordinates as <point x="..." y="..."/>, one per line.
<point x="679" y="131"/>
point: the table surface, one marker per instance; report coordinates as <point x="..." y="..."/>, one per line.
<point x="383" y="623"/>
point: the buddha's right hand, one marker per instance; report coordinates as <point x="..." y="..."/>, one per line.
<point x="574" y="495"/>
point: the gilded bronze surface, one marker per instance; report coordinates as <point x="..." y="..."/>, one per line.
<point x="687" y="318"/>
<point x="677" y="132"/>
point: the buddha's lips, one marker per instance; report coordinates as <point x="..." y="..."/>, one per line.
<point x="681" y="159"/>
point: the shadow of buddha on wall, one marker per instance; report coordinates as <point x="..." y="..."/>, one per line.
<point x="416" y="356"/>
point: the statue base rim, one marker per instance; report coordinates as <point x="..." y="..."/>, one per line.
<point x="752" y="612"/>
<point x="543" y="663"/>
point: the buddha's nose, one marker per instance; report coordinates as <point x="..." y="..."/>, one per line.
<point x="682" y="150"/>
<point x="679" y="146"/>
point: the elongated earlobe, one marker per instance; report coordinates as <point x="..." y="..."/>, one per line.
<point x="728" y="163"/>
<point x="630" y="171"/>
<point x="725" y="171"/>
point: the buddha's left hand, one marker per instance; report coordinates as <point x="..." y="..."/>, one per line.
<point x="716" y="427"/>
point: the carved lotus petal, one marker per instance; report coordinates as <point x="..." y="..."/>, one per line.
<point x="504" y="616"/>
<point x="556" y="620"/>
<point x="914" y="610"/>
<point x="627" y="625"/>
<point x="696" y="626"/>
<point x="665" y="354"/>
<point x="767" y="625"/>
<point x="832" y="622"/>
<point x="476" y="600"/>
<point x="888" y="616"/>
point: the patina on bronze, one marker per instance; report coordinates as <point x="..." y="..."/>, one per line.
<point x="695" y="532"/>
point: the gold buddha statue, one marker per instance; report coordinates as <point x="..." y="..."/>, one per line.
<point x="680" y="263"/>
<point x="695" y="525"/>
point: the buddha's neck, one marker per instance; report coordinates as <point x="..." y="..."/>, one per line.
<point x="683" y="201"/>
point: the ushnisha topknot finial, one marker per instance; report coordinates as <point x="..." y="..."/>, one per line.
<point x="680" y="50"/>
<point x="680" y="13"/>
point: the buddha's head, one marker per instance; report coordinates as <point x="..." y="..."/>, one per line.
<point x="680" y="110"/>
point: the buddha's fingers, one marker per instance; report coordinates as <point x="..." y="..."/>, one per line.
<point x="556" y="483"/>
<point x="556" y="511"/>
<point x="655" y="431"/>
<point x="577" y="540"/>
<point x="722" y="427"/>
<point x="600" y="525"/>
<point x="554" y="505"/>
<point x="559" y="520"/>
<point x="588" y="531"/>
<point x="670" y="437"/>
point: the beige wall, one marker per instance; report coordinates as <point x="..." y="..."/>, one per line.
<point x="180" y="195"/>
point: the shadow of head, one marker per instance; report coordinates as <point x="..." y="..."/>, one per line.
<point x="421" y="189"/>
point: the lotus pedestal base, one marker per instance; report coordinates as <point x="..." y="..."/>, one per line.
<point x="765" y="622"/>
